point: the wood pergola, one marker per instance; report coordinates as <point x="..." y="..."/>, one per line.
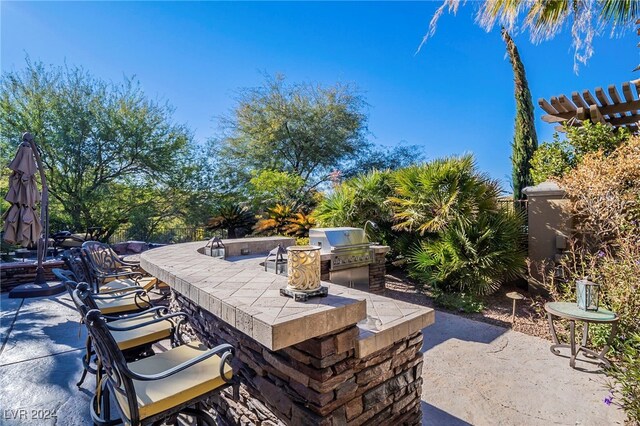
<point x="613" y="110"/>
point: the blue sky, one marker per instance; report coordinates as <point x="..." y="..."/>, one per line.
<point x="454" y="96"/>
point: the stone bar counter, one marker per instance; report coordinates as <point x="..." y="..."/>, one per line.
<point x="348" y="358"/>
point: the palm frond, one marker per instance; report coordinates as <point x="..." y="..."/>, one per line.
<point x="620" y="12"/>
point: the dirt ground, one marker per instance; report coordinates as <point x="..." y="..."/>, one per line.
<point x="530" y="314"/>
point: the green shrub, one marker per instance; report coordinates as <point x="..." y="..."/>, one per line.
<point x="302" y="241"/>
<point x="356" y="200"/>
<point x="555" y="159"/>
<point x="359" y="200"/>
<point x="459" y="302"/>
<point x="472" y="256"/>
<point x="551" y="159"/>
<point x="430" y="196"/>
<point x="627" y="375"/>
<point x="443" y="216"/>
<point x="604" y="194"/>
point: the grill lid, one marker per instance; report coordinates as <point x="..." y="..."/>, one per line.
<point x="337" y="238"/>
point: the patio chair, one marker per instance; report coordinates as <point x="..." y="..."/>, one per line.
<point x="160" y="387"/>
<point x="124" y="300"/>
<point x="83" y="266"/>
<point x="128" y="340"/>
<point x="134" y="334"/>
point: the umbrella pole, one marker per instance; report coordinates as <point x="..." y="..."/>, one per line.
<point x="43" y="240"/>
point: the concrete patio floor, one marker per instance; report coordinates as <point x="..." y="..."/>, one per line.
<point x="480" y="374"/>
<point x="474" y="373"/>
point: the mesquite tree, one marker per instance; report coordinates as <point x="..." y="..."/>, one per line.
<point x="525" y="140"/>
<point x="110" y="152"/>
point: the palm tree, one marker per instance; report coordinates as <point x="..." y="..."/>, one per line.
<point x="276" y="221"/>
<point x="233" y="218"/>
<point x="473" y="256"/>
<point x="543" y="19"/>
<point x="299" y="224"/>
<point x="429" y="197"/>
<point x="525" y="141"/>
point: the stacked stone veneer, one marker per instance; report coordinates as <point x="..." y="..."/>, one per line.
<point x="378" y="270"/>
<point x="16" y="273"/>
<point x="317" y="382"/>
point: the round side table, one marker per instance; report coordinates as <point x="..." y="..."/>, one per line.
<point x="571" y="312"/>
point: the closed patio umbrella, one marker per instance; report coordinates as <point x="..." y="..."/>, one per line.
<point x="22" y="224"/>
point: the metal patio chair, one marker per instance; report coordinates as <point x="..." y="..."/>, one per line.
<point x="135" y="333"/>
<point x="81" y="264"/>
<point x="149" y="326"/>
<point x="158" y="388"/>
<point x="108" y="270"/>
<point x="125" y="300"/>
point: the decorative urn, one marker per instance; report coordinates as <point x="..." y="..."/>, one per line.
<point x="303" y="268"/>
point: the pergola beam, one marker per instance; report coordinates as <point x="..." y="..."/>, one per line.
<point x="608" y="106"/>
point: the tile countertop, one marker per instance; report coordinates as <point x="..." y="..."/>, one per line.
<point x="242" y="294"/>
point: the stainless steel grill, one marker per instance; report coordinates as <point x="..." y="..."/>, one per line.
<point x="350" y="252"/>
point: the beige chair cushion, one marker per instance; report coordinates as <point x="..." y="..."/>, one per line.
<point x="160" y="395"/>
<point x="120" y="304"/>
<point x="126" y="322"/>
<point x="145" y="283"/>
<point x="140" y="336"/>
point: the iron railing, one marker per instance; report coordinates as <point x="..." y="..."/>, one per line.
<point x="169" y="235"/>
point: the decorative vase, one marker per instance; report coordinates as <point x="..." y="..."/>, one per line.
<point x="303" y="268"/>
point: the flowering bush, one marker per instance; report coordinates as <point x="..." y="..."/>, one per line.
<point x="605" y="204"/>
<point x="627" y="375"/>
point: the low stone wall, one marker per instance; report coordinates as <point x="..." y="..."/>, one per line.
<point x="317" y="382"/>
<point x="16" y="273"/>
<point x="255" y="245"/>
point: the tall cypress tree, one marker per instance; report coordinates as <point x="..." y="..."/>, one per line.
<point x="525" y="141"/>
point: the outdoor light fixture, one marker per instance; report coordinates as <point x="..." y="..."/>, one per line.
<point x="276" y="260"/>
<point x="215" y="248"/>
<point x="587" y="295"/>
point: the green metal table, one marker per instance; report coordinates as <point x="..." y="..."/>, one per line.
<point x="571" y="312"/>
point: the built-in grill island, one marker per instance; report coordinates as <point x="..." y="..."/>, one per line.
<point x="349" y="259"/>
<point x="349" y="358"/>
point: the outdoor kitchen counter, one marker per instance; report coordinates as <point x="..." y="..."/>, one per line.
<point x="349" y="358"/>
<point x="242" y="294"/>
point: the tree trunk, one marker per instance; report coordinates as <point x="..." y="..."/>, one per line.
<point x="525" y="141"/>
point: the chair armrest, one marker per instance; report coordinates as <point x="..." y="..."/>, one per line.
<point x="124" y="289"/>
<point x="129" y="263"/>
<point x="117" y="296"/>
<point x="149" y="322"/>
<point x="119" y="274"/>
<point x="158" y="309"/>
<point x="220" y="349"/>
<point x="64" y="274"/>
